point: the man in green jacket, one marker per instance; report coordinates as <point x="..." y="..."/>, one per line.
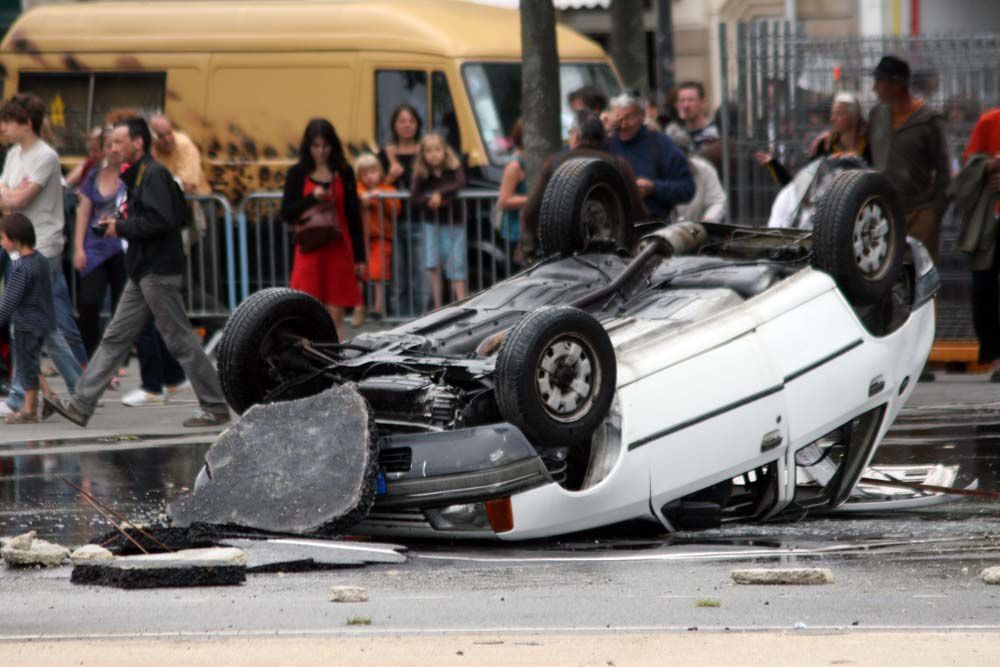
<point x="908" y="144"/>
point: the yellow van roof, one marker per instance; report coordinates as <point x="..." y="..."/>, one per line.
<point x="436" y="27"/>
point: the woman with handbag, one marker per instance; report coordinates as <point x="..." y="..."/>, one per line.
<point x="320" y="203"/>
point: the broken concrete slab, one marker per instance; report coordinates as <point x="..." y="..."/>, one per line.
<point x="793" y="576"/>
<point x="90" y="552"/>
<point x="300" y="554"/>
<point x="991" y="575"/>
<point x="304" y="467"/>
<point x="28" y="551"/>
<point x="134" y="574"/>
<point x="348" y="594"/>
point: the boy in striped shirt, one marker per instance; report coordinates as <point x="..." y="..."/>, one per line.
<point x="27" y="302"/>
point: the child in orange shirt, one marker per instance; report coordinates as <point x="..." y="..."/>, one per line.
<point x="378" y="218"/>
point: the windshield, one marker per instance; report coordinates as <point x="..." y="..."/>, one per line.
<point x="495" y="94"/>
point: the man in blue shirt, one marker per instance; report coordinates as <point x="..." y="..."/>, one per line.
<point x="662" y="173"/>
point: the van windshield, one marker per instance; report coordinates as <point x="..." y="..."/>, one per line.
<point x="495" y="94"/>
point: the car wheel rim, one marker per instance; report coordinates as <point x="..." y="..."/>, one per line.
<point x="567" y="378"/>
<point x="600" y="214"/>
<point x="872" y="239"/>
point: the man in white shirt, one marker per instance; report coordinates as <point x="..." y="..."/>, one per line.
<point x="31" y="184"/>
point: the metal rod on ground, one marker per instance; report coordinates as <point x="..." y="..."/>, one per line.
<point x="114" y="525"/>
<point x="990" y="495"/>
<point x="118" y="516"/>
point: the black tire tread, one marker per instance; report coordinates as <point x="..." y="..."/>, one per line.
<point x="241" y="342"/>
<point x="515" y="384"/>
<point x="559" y="227"/>
<point x="833" y="229"/>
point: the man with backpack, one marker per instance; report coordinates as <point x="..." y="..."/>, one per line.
<point x="152" y="222"/>
<point x="663" y="177"/>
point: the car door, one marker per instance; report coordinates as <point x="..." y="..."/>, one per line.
<point x="707" y="418"/>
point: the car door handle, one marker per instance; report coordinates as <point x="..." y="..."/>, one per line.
<point x="770" y="441"/>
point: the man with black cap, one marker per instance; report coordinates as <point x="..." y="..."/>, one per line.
<point x="908" y="144"/>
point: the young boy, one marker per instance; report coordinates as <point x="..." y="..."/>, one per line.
<point x="27" y="300"/>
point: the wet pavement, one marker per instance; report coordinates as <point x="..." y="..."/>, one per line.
<point x="893" y="571"/>
<point x="138" y="459"/>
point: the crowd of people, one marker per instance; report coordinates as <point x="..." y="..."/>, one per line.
<point x="126" y="242"/>
<point x="354" y="234"/>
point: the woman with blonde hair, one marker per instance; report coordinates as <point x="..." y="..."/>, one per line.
<point x="437" y="178"/>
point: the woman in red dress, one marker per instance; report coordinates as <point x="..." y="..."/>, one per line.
<point x="322" y="174"/>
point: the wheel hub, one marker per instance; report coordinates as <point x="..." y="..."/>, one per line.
<point x="564" y="378"/>
<point x="871" y="239"/>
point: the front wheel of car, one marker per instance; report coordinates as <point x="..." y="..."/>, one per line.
<point x="859" y="236"/>
<point x="257" y="353"/>
<point x="586" y="201"/>
<point x="556" y="376"/>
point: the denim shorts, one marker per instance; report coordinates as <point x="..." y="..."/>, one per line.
<point x="445" y="245"/>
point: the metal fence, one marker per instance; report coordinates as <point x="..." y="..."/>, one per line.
<point x="462" y="241"/>
<point x="778" y="85"/>
<point x="210" y="278"/>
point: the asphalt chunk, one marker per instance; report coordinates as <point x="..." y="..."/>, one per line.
<point x="794" y="576"/>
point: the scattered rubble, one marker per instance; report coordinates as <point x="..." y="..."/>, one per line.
<point x="348" y="594"/>
<point x="28" y="551"/>
<point x="991" y="575"/>
<point x="801" y="576"/>
<point x="301" y="555"/>
<point x="90" y="552"/>
<point x="305" y="467"/>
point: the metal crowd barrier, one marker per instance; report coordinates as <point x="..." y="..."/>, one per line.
<point x="210" y="280"/>
<point x="210" y="274"/>
<point x="462" y="237"/>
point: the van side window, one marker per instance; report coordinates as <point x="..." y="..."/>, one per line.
<point x="78" y="101"/>
<point x="443" y="118"/>
<point x="395" y="87"/>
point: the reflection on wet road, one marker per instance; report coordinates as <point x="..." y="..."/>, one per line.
<point x="136" y="476"/>
<point x="139" y="475"/>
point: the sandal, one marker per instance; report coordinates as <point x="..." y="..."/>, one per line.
<point x="21" y="418"/>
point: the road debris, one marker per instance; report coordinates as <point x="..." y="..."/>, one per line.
<point x="801" y="576"/>
<point x="304" y="467"/>
<point x="303" y="555"/>
<point x="348" y="594"/>
<point x="991" y="575"/>
<point x="91" y="552"/>
<point x="27" y="551"/>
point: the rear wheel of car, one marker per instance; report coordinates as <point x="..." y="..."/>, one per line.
<point x="555" y="376"/>
<point x="586" y="201"/>
<point x="859" y="235"/>
<point x="258" y="340"/>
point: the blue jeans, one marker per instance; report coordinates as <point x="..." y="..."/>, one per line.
<point x="56" y="344"/>
<point x="409" y="290"/>
<point x="157" y="367"/>
<point x="65" y="317"/>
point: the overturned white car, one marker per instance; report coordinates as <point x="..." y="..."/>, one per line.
<point x="686" y="375"/>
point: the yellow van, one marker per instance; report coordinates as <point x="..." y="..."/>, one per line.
<point x="242" y="78"/>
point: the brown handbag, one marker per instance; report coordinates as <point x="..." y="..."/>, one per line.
<point x="317" y="227"/>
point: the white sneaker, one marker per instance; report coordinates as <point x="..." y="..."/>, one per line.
<point x="5" y="409"/>
<point x="172" y="390"/>
<point x="140" y="397"/>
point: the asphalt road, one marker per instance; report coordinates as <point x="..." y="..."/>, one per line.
<point x="906" y="574"/>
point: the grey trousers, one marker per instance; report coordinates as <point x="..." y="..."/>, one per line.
<point x="158" y="297"/>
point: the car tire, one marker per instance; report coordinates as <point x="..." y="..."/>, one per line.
<point x="251" y="334"/>
<point x="586" y="200"/>
<point x="859" y="236"/>
<point x="542" y="356"/>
